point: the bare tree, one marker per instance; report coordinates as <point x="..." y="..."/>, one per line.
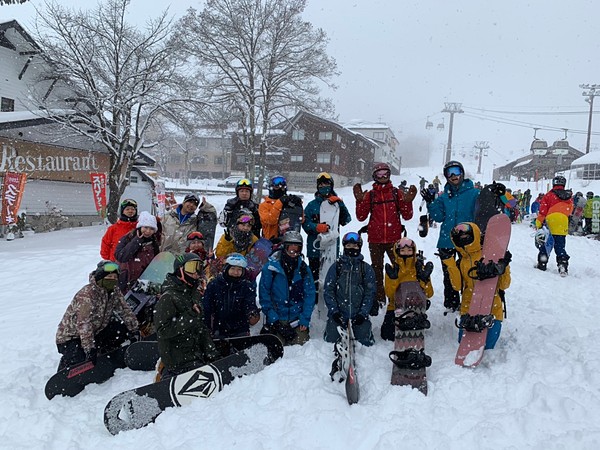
<point x="259" y="58"/>
<point x="115" y="79"/>
<point x="12" y="2"/>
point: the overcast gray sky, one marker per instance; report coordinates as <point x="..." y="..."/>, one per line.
<point x="402" y="59"/>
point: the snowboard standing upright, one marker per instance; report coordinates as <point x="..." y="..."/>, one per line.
<point x="139" y="407"/>
<point x="472" y="345"/>
<point x="257" y="257"/>
<point x="343" y="363"/>
<point x="408" y="357"/>
<point x="290" y="218"/>
<point x="326" y="244"/>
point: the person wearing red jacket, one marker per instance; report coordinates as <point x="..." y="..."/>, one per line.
<point x="555" y="208"/>
<point x="127" y="222"/>
<point x="386" y="205"/>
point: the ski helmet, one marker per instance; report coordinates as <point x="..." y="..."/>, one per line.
<point x="590" y="194"/>
<point x="244" y="215"/>
<point x="195" y="236"/>
<point x="244" y="183"/>
<point x="292" y="237"/>
<point x="381" y="166"/>
<point x="236" y="260"/>
<point x="105" y="267"/>
<point x="352" y="237"/>
<point x="448" y="169"/>
<point x="403" y="243"/>
<point x="277" y="187"/>
<point x="324" y="178"/>
<point x="559" y="180"/>
<point x="187" y="264"/>
<point x="462" y="234"/>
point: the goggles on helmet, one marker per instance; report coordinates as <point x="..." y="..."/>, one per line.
<point x="128" y="202"/>
<point x="244" y="182"/>
<point x="404" y="243"/>
<point x="278" y="181"/>
<point x="462" y="234"/>
<point x="352" y="237"/>
<point x="453" y="171"/>
<point x="245" y="220"/>
<point x="382" y="173"/>
<point x="194" y="266"/>
<point x="195" y="236"/>
<point x="110" y="267"/>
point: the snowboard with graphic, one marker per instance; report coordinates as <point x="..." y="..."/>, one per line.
<point x="137" y="408"/>
<point x="472" y="345"/>
<point x="327" y="245"/>
<point x="143" y="355"/>
<point x="257" y="257"/>
<point x="290" y="218"/>
<point x="344" y="350"/>
<point x="408" y="357"/>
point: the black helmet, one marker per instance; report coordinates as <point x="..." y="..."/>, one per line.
<point x="277" y="187"/>
<point x="105" y="267"/>
<point x="559" y="180"/>
<point x="352" y="237"/>
<point x="244" y="183"/>
<point x="449" y="165"/>
<point x="186" y="264"/>
<point x="462" y="234"/>
<point x="324" y="178"/>
<point x="590" y="194"/>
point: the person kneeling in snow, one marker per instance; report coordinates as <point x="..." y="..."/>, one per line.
<point x="97" y="321"/>
<point x="350" y="292"/>
<point x="466" y="238"/>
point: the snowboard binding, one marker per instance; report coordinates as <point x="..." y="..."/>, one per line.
<point x="412" y="320"/>
<point x="410" y="359"/>
<point x="475" y="323"/>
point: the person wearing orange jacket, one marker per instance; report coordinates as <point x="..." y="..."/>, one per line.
<point x="128" y="217"/>
<point x="272" y="205"/>
<point x="555" y="208"/>
<point x="386" y="205"/>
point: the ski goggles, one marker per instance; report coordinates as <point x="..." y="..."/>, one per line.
<point x="382" y="173"/>
<point x="109" y="267"/>
<point x="351" y="237"/>
<point x="244" y="182"/>
<point x="324" y="177"/>
<point x="453" y="171"/>
<point x="462" y="234"/>
<point x="245" y="220"/>
<point x="195" y="236"/>
<point x="128" y="202"/>
<point x="462" y="228"/>
<point x="278" y="182"/>
<point x="194" y="266"/>
<point x="405" y="243"/>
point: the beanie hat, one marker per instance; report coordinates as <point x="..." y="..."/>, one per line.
<point x="191" y="198"/>
<point x="147" y="220"/>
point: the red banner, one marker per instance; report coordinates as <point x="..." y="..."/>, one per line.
<point x="99" y="191"/>
<point x="12" y="192"/>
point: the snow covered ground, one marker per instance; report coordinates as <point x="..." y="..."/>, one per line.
<point x="540" y="388"/>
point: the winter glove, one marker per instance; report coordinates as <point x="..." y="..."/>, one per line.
<point x="411" y="194"/>
<point x="359" y="195"/>
<point x="358" y="320"/>
<point x="452" y="303"/>
<point x="486" y="270"/>
<point x="285" y="330"/>
<point x="445" y="253"/>
<point x="498" y="188"/>
<point x="507" y="258"/>
<point x="322" y="228"/>
<point x="392" y="271"/>
<point x="427" y="196"/>
<point x="337" y="318"/>
<point x="92" y="355"/>
<point x="424" y="271"/>
<point x="333" y="199"/>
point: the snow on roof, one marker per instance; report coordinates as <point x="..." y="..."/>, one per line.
<point x="590" y="158"/>
<point x="19" y="116"/>
<point x="523" y="163"/>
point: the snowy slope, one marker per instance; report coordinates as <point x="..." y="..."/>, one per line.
<point x="540" y="388"/>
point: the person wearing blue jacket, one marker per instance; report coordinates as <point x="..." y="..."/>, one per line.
<point x="230" y="300"/>
<point x="349" y="293"/>
<point x="313" y="225"/>
<point x="455" y="205"/>
<point x="286" y="292"/>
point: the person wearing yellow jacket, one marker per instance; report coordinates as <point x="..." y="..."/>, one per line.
<point x="466" y="237"/>
<point x="406" y="267"/>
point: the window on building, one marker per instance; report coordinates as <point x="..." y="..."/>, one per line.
<point x="336" y="160"/>
<point x="338" y="138"/>
<point x="198" y="160"/>
<point x="133" y="179"/>
<point x="325" y="135"/>
<point x="176" y="159"/>
<point x="219" y="160"/>
<point x="7" y="105"/>
<point x="379" y="135"/>
<point x="240" y="159"/>
<point x="324" y="158"/>
<point x="297" y="135"/>
<point x="297" y="158"/>
<point x="202" y="142"/>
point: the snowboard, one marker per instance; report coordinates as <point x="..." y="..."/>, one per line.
<point x="423" y="227"/>
<point x="327" y="246"/>
<point x="257" y="257"/>
<point x="411" y="322"/>
<point x="71" y="381"/>
<point x="343" y="363"/>
<point x="595" y="215"/>
<point x="143" y="295"/>
<point x="139" y="407"/>
<point x="549" y="240"/>
<point x="290" y="218"/>
<point x="472" y="345"/>
<point x="207" y="225"/>
<point x="143" y="355"/>
<point x="488" y="204"/>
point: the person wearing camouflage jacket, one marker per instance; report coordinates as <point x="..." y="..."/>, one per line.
<point x="97" y="320"/>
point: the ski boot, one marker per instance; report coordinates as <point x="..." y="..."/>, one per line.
<point x="410" y="359"/>
<point x="542" y="262"/>
<point x="412" y="320"/>
<point x="475" y="323"/>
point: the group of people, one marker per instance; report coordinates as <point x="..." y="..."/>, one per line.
<point x="198" y="303"/>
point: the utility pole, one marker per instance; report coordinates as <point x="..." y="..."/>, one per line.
<point x="591" y="91"/>
<point x="451" y="108"/>
<point x="481" y="145"/>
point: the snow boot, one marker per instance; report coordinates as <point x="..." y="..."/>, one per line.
<point x="410" y="359"/>
<point x="563" y="265"/>
<point x="542" y="262"/>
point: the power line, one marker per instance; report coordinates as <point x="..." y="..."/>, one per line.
<point x="529" y="113"/>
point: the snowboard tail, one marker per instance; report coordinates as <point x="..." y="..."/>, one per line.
<point x="139" y="407"/>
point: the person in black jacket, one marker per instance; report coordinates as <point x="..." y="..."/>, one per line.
<point x="242" y="200"/>
<point x="230" y="300"/>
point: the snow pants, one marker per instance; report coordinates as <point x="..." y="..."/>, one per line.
<point x="363" y="332"/>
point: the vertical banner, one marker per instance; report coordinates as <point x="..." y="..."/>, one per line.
<point x="99" y="191"/>
<point x="595" y="215"/>
<point x="12" y="192"/>
<point x="159" y="189"/>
